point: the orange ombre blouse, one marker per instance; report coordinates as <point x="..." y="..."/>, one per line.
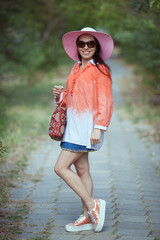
<point x="89" y="102"/>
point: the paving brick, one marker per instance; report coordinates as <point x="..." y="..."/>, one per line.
<point x="65" y="237"/>
<point x="153" y="203"/>
<point x="126" y="191"/>
<point x="136" y="238"/>
<point x="130" y="206"/>
<point x="58" y="230"/>
<point x="67" y="211"/>
<point x="61" y="221"/>
<point x="151" y="189"/>
<point x="108" y="224"/>
<point x="155" y="214"/>
<point x="25" y="235"/>
<point x="69" y="201"/>
<point x="152" y="198"/>
<point x="132" y="225"/>
<point x="25" y="184"/>
<point x="129" y="202"/>
<point x="133" y="232"/>
<point x="128" y="196"/>
<point x="43" y="211"/>
<point x="155" y="220"/>
<point x="42" y="222"/>
<point x="44" y="195"/>
<point x="156" y="234"/>
<point x="32" y="228"/>
<point x="19" y="193"/>
<point x="100" y="236"/>
<point x="156" y="226"/>
<point x="69" y="194"/>
<point x="67" y="217"/>
<point x="131" y="211"/>
<point x="44" y="205"/>
<point x="68" y="206"/>
<point x="131" y="218"/>
<point x="153" y="208"/>
<point x="38" y="216"/>
<point x="45" y="200"/>
<point x="61" y="230"/>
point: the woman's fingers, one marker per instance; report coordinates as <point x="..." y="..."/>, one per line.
<point x="56" y="90"/>
<point x="95" y="141"/>
<point x="96" y="136"/>
<point x="56" y="93"/>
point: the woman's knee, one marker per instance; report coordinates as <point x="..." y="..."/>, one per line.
<point x="58" y="169"/>
<point x="82" y="170"/>
<point x="59" y="166"/>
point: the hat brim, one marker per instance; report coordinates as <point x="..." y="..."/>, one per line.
<point x="69" y="43"/>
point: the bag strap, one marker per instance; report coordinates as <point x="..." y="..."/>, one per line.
<point x="62" y="101"/>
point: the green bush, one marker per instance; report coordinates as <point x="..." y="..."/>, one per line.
<point x="31" y="32"/>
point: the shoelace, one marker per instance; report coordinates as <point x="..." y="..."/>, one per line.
<point x="91" y="216"/>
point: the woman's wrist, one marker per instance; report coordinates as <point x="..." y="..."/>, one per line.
<point x="97" y="129"/>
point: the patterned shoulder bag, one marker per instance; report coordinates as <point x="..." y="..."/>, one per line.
<point x="57" y="123"/>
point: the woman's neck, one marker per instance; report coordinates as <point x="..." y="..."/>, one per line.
<point x="84" y="62"/>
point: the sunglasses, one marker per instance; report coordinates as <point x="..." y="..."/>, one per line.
<point x="90" y="44"/>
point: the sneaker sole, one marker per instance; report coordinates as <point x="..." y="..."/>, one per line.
<point x="102" y="216"/>
<point x="79" y="228"/>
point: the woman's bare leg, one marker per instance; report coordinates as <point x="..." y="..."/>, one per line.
<point x="62" y="168"/>
<point x="82" y="168"/>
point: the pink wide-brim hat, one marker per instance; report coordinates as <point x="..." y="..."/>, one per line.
<point x="69" y="42"/>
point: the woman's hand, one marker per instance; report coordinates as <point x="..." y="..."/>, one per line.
<point x="56" y="90"/>
<point x="96" y="136"/>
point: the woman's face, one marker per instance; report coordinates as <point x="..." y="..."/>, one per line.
<point x="87" y="52"/>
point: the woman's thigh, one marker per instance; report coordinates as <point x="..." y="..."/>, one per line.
<point x="67" y="158"/>
<point x="82" y="164"/>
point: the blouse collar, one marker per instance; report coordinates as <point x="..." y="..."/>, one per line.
<point x="90" y="61"/>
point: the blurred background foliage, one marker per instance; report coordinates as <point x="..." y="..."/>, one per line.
<point x="31" y="32"/>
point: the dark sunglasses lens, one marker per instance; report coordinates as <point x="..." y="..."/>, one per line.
<point x="81" y="44"/>
<point x="90" y="44"/>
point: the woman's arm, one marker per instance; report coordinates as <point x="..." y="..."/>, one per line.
<point x="104" y="108"/>
<point x="105" y="102"/>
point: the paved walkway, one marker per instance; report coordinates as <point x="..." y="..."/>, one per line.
<point x="125" y="174"/>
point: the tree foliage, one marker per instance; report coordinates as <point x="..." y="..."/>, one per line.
<point x="31" y="31"/>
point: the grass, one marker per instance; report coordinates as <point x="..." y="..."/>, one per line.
<point x="25" y="112"/>
<point x="37" y="177"/>
<point x="130" y="110"/>
<point x="142" y="104"/>
<point x="26" y="109"/>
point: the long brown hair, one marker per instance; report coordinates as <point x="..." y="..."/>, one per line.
<point x="97" y="58"/>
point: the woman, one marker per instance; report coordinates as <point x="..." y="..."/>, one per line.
<point x="88" y="99"/>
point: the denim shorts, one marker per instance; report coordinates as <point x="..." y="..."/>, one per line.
<point x="75" y="147"/>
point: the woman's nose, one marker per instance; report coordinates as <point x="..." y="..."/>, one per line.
<point x="86" y="47"/>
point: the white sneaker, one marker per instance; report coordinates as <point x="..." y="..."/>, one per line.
<point x="81" y="224"/>
<point x="97" y="214"/>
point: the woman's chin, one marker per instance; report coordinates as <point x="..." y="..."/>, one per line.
<point x="86" y="58"/>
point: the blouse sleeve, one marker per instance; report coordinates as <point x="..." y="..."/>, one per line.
<point x="63" y="96"/>
<point x="105" y="102"/>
